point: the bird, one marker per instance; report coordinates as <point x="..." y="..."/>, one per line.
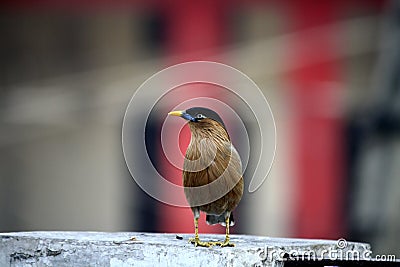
<point x="212" y="172"/>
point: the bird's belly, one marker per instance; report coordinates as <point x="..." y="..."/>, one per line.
<point x="216" y="208"/>
<point x="225" y="202"/>
<point x="221" y="171"/>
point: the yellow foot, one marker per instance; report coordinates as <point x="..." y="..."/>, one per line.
<point x="197" y="242"/>
<point x="226" y="243"/>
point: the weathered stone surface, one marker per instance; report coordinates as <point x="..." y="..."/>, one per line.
<point x="148" y="249"/>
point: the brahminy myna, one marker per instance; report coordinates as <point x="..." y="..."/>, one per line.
<point x="212" y="171"/>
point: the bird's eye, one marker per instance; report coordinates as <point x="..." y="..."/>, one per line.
<point x="200" y="116"/>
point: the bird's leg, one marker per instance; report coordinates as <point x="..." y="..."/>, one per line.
<point x="196" y="240"/>
<point x="226" y="242"/>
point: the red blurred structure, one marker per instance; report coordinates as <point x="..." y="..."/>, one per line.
<point x="319" y="154"/>
<point x="195" y="31"/>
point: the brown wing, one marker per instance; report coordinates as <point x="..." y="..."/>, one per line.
<point x="226" y="174"/>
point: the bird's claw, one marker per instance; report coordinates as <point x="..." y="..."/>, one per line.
<point x="199" y="243"/>
<point x="225" y="243"/>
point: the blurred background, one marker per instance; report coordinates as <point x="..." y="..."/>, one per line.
<point x="329" y="69"/>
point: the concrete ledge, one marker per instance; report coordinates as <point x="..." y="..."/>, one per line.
<point x="147" y="249"/>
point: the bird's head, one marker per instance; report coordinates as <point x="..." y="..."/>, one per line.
<point x="198" y="114"/>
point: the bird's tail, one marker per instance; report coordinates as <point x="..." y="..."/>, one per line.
<point x="214" y="219"/>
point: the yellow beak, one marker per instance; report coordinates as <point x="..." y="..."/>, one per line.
<point x="176" y="113"/>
